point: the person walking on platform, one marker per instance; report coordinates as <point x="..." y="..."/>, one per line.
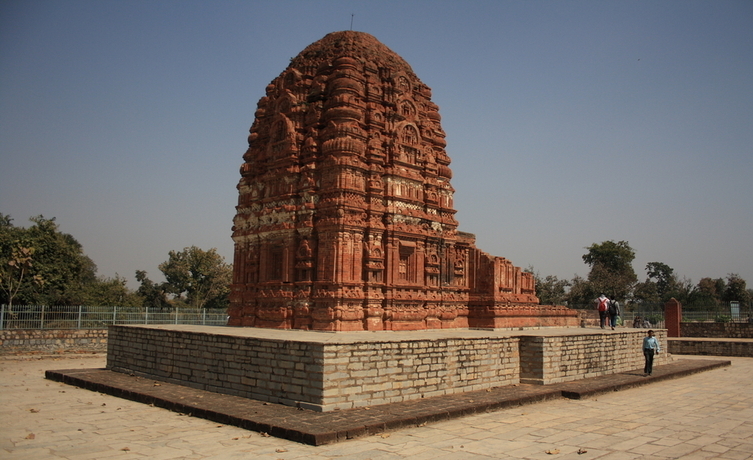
<point x="614" y="312"/>
<point x="602" y="304"/>
<point x="650" y="348"/>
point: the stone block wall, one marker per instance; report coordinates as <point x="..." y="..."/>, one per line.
<point x="325" y="371"/>
<point x="52" y="341"/>
<point x="361" y="374"/>
<point x="728" y="347"/>
<point x="717" y="330"/>
<point x="315" y="375"/>
<point x="554" y="359"/>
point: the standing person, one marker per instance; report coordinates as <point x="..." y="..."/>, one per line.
<point x="602" y="304"/>
<point x="650" y="348"/>
<point x="614" y="312"/>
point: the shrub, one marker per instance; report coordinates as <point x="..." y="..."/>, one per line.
<point x="654" y="319"/>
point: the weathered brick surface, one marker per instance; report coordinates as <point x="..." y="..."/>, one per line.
<point x="711" y="347"/>
<point x="52" y="341"/>
<point x="320" y="376"/>
<point x="547" y="360"/>
<point x="718" y="330"/>
<point x="345" y="217"/>
<point x="346" y="374"/>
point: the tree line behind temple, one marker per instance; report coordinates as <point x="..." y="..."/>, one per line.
<point x="611" y="273"/>
<point x="39" y="265"/>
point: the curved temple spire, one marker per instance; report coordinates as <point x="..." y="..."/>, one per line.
<point x="345" y="218"/>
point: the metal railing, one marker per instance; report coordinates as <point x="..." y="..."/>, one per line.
<point x="647" y="319"/>
<point x="99" y="317"/>
<point x="736" y="317"/>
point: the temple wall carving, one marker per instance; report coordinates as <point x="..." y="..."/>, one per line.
<point x="345" y="218"/>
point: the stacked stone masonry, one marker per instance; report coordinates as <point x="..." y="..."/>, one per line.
<point x="718" y="330"/>
<point x="546" y="360"/>
<point x="316" y="372"/>
<point x="315" y="375"/>
<point x="52" y="341"/>
<point x="711" y="347"/>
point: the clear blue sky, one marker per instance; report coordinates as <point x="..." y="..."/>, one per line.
<point x="568" y="123"/>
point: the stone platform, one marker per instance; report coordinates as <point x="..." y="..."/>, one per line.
<point x="325" y="371"/>
<point x="711" y="346"/>
<point x="318" y="428"/>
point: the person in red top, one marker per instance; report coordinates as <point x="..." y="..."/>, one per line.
<point x="602" y="304"/>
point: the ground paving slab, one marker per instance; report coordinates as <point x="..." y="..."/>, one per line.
<point x="706" y="415"/>
<point x="319" y="428"/>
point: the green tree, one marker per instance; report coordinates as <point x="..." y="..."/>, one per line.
<point x="660" y="286"/>
<point x="202" y="276"/>
<point x="709" y="292"/>
<point x="153" y="294"/>
<point x="13" y="271"/>
<point x="663" y="275"/>
<point x="646" y="292"/>
<point x="581" y="293"/>
<point x="111" y="291"/>
<point x="550" y="290"/>
<point x="611" y="268"/>
<point x="686" y="292"/>
<point x="62" y="264"/>
<point x="49" y="267"/>
<point x="735" y="290"/>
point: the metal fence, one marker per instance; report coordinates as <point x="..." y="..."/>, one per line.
<point x="646" y="319"/>
<point x="720" y="317"/>
<point x="724" y="312"/>
<point x="83" y="317"/>
<point x="715" y="316"/>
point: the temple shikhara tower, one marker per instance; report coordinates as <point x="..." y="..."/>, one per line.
<point x="345" y="218"/>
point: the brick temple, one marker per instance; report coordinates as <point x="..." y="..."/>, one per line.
<point x="345" y="218"/>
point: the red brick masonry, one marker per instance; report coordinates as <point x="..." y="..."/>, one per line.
<point x="345" y="217"/>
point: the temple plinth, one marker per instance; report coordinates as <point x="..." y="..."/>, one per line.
<point x="345" y="217"/>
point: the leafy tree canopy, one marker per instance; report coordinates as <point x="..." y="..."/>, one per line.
<point x="153" y="294"/>
<point x="56" y="269"/>
<point x="611" y="268"/>
<point x="40" y="265"/>
<point x="550" y="290"/>
<point x="111" y="292"/>
<point x="581" y="292"/>
<point x="201" y="276"/>
<point x="735" y="290"/>
<point x="662" y="275"/>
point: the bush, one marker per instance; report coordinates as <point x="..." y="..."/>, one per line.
<point x="654" y="319"/>
<point x="722" y="319"/>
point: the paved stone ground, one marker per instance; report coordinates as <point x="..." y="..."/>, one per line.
<point x="704" y="415"/>
<point x="317" y="428"/>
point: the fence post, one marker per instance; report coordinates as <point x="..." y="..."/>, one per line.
<point x="41" y="319"/>
<point x="673" y="317"/>
<point x="146" y="315"/>
<point x="78" y="323"/>
<point x="203" y="316"/>
<point x="176" y="315"/>
<point x="114" y="314"/>
<point x="2" y="317"/>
